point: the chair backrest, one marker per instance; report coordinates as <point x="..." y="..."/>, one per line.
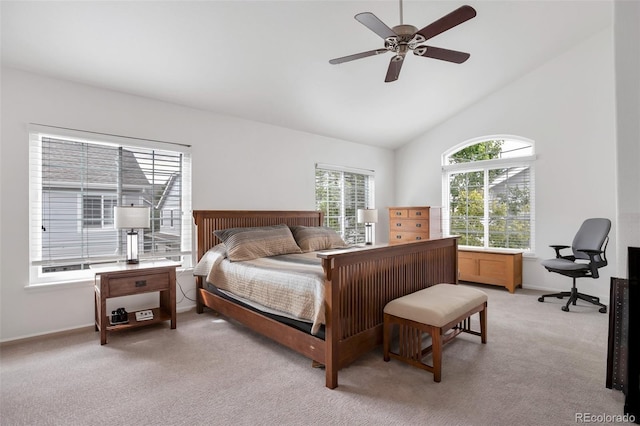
<point x="591" y="236"/>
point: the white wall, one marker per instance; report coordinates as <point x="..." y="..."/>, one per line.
<point x="627" y="59"/>
<point x="567" y="106"/>
<point x="237" y="164"/>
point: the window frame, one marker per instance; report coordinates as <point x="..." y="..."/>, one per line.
<point x="104" y="221"/>
<point x="36" y="133"/>
<point x="358" y="229"/>
<point x="485" y="166"/>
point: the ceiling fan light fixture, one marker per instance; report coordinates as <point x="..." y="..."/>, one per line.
<point x="403" y="38"/>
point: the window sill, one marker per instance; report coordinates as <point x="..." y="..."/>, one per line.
<point x="79" y="283"/>
<point x="55" y="285"/>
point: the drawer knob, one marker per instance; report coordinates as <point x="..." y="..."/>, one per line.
<point x="418" y="238"/>
<point x="398" y="213"/>
<point x="418" y="225"/>
<point x="399" y="237"/>
<point x="141" y="283"/>
<point x="418" y="213"/>
<point x="399" y="224"/>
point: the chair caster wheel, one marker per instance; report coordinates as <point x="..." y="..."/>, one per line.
<point x="540" y="299"/>
<point x="565" y="308"/>
<point x="603" y="310"/>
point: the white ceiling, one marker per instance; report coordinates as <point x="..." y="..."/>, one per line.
<point x="268" y="60"/>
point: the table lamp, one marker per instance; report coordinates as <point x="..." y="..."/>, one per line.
<point x="368" y="217"/>
<point x="131" y="218"/>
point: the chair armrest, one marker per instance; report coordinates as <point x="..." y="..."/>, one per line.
<point x="593" y="264"/>
<point x="557" y="248"/>
<point x="590" y="252"/>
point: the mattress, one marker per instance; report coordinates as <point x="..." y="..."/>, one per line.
<point x="290" y="285"/>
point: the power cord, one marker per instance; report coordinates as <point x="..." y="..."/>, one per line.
<point x="184" y="295"/>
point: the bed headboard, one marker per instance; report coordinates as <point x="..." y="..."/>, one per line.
<point x="207" y="221"/>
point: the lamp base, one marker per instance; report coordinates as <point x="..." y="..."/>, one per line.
<point x="132" y="247"/>
<point x="368" y="236"/>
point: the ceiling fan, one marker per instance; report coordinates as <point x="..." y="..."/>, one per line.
<point x="402" y="38"/>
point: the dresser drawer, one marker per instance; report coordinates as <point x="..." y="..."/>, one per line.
<point x="409" y="225"/>
<point x="137" y="284"/>
<point x="399" y="213"/>
<point x="396" y="237"/>
<point x="418" y="213"/>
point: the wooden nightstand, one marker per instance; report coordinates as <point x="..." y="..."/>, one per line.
<point x="125" y="280"/>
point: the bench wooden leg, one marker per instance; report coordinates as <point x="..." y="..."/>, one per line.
<point x="483" y="324"/>
<point x="436" y="346"/>
<point x="386" y="337"/>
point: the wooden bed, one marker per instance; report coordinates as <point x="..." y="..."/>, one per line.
<point x="358" y="284"/>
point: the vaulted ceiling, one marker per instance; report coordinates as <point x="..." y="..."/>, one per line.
<point x="268" y="60"/>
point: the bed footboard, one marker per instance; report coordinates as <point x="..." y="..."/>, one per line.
<point x="359" y="283"/>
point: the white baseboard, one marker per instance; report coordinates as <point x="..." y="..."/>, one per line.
<point x="70" y="330"/>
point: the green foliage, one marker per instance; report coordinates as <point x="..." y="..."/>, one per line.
<point x="508" y="215"/>
<point x="487" y="150"/>
<point x="339" y="195"/>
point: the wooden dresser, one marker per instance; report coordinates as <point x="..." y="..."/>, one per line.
<point x="502" y="267"/>
<point x="414" y="223"/>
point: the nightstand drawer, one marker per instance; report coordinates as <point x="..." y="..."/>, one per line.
<point x="138" y="284"/>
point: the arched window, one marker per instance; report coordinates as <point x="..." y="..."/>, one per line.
<point x="488" y="192"/>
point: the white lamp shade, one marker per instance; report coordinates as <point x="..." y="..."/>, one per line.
<point x="367" y="216"/>
<point x="131" y="217"/>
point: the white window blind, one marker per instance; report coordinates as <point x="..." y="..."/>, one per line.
<point x="340" y="192"/>
<point x="76" y="181"/>
<point x="488" y="190"/>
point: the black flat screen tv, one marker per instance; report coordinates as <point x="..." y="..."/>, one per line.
<point x="632" y="399"/>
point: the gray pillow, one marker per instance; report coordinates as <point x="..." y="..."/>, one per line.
<point x="255" y="242"/>
<point x="313" y="238"/>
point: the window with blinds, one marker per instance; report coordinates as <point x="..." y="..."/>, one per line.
<point x="77" y="181"/>
<point x="488" y="190"/>
<point x="340" y="192"/>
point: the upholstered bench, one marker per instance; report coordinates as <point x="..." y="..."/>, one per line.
<point x="443" y="311"/>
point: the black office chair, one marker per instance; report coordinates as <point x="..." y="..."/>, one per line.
<point x="589" y="254"/>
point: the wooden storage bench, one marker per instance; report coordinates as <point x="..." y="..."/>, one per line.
<point x="502" y="267"/>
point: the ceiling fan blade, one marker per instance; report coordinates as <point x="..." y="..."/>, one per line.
<point x="372" y="22"/>
<point x="442" y="54"/>
<point x="457" y="17"/>
<point x="357" y="56"/>
<point x="393" y="72"/>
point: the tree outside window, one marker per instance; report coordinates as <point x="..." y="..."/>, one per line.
<point x="489" y="194"/>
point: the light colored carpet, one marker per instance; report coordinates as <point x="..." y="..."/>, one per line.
<point x="540" y="366"/>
